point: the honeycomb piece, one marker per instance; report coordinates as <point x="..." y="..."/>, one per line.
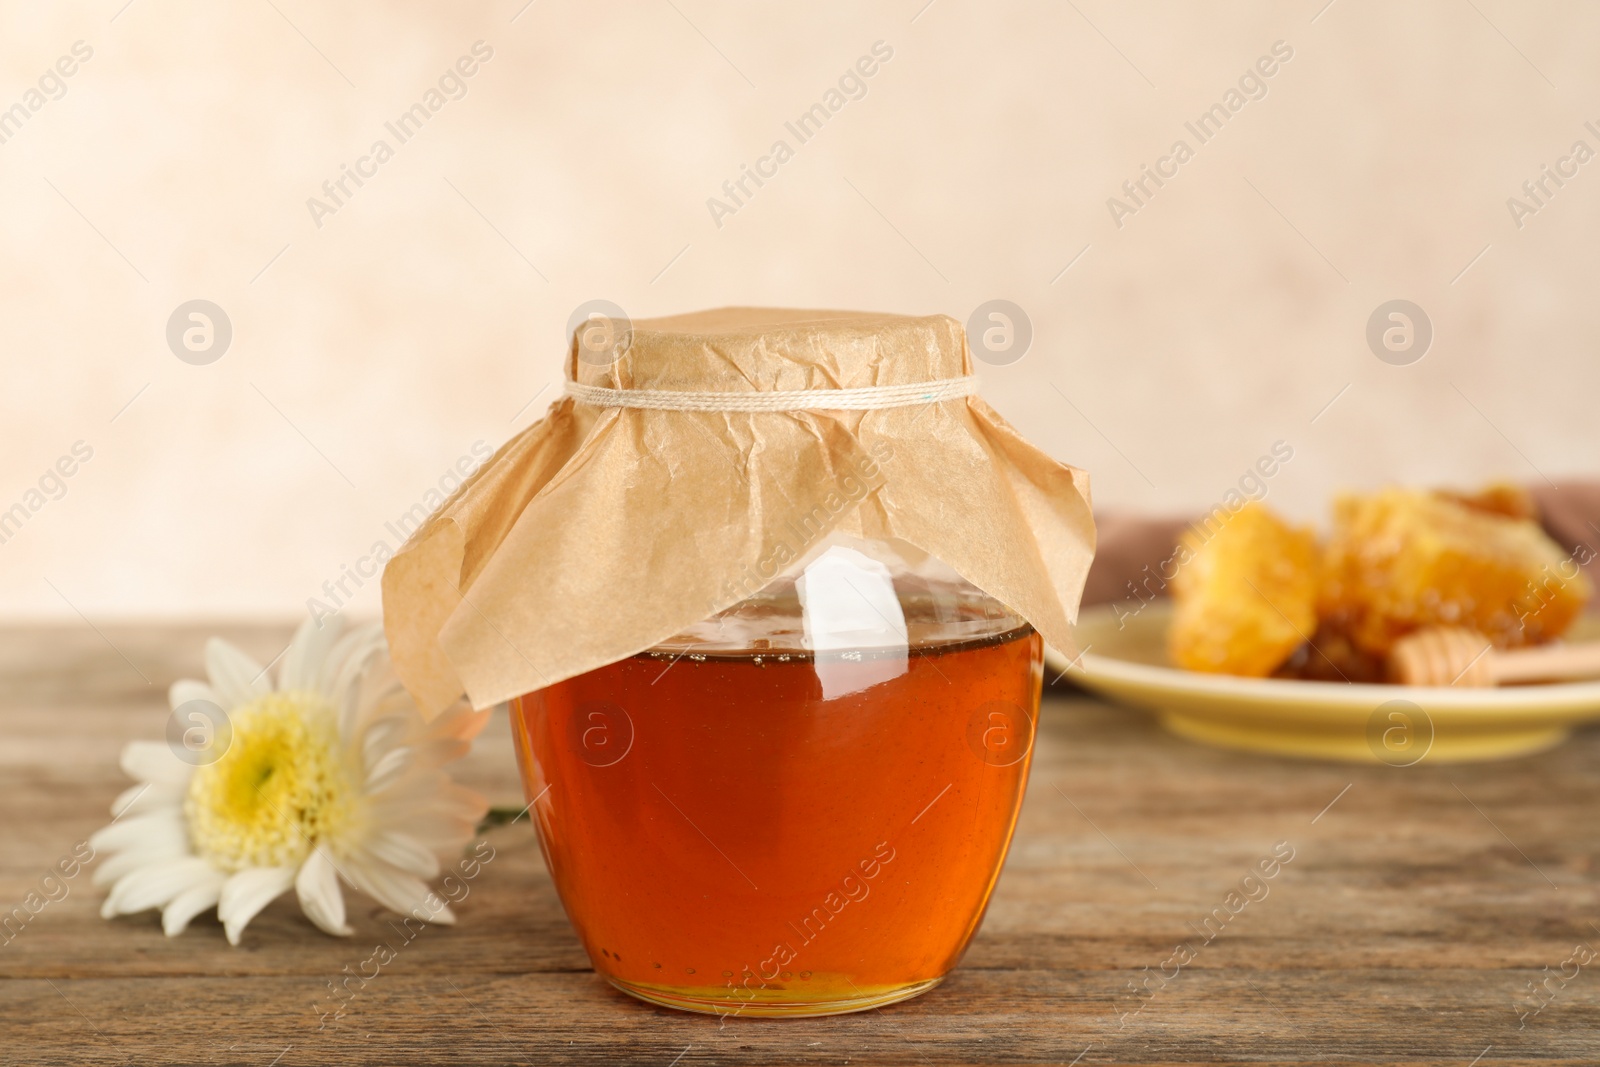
<point x="1497" y="498"/>
<point x="1245" y="594"/>
<point x="1402" y="559"/>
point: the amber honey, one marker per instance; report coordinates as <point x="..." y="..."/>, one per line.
<point x="769" y="831"/>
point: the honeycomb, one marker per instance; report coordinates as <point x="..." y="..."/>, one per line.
<point x="1401" y="559"/>
<point x="1244" y="596"/>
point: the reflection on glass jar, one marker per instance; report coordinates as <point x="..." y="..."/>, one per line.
<point x="800" y="805"/>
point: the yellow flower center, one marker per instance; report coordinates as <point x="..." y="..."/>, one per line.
<point x="279" y="790"/>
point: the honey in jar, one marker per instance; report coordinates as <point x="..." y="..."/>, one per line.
<point x="742" y="824"/>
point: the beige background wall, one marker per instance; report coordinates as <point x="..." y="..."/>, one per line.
<point x="370" y="353"/>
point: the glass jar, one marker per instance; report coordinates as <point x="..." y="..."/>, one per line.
<point x="801" y="805"/>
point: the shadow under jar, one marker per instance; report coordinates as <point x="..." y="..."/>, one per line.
<point x="801" y="805"/>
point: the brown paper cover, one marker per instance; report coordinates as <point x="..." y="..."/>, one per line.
<point x="598" y="532"/>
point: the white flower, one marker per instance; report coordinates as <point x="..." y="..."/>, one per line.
<point x="332" y="775"/>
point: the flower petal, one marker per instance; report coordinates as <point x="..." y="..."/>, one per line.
<point x="317" y="886"/>
<point x="396" y="890"/>
<point x="154" y="884"/>
<point x="394" y="763"/>
<point x="436" y="831"/>
<point x="382" y="735"/>
<point x="430" y="815"/>
<point x="154" y="761"/>
<point x="191" y="902"/>
<point x="401" y="850"/>
<point x="461" y="722"/>
<point x="246" y="893"/>
<point x="361" y="680"/>
<point x="431" y="792"/>
<point x="108" y="872"/>
<point x="408" y="812"/>
<point x="146" y="797"/>
<point x="160" y="829"/>
<point x="236" y="678"/>
<point x="351" y="657"/>
<point x="307" y="656"/>
<point x="462" y="802"/>
<point x="187" y="689"/>
<point x="438" y="753"/>
<point x="412" y="783"/>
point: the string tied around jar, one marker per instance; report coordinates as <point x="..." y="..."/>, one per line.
<point x="865" y="398"/>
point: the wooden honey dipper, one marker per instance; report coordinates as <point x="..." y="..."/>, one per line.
<point x="1454" y="655"/>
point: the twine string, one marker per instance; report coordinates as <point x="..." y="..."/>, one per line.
<point x="863" y="399"/>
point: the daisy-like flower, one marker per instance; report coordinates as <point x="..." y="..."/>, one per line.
<point x="332" y="775"/>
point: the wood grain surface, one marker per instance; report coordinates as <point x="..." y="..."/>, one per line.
<point x="1419" y="905"/>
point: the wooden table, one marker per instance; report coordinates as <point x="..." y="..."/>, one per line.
<point x="1417" y="907"/>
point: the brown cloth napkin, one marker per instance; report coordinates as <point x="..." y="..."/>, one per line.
<point x="1132" y="548"/>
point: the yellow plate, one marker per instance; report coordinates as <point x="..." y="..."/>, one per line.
<point x="1397" y="725"/>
